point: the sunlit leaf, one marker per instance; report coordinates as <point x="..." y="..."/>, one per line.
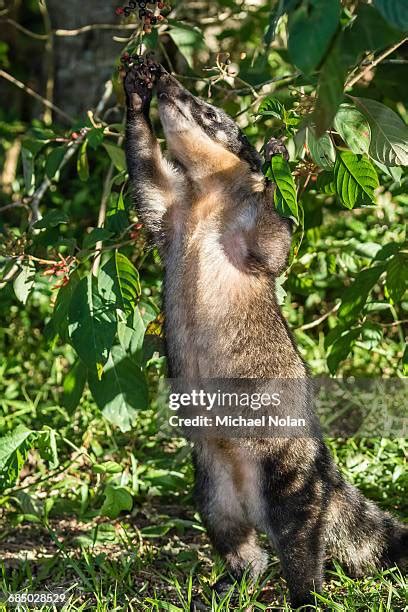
<point x="355" y="178"/>
<point x="389" y="134"/>
<point x="353" y="128"/>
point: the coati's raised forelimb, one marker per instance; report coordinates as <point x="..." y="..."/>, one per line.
<point x="155" y="181"/>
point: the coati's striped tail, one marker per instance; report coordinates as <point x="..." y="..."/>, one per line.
<point x="360" y="535"/>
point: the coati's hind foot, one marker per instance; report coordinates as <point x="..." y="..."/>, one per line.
<point x="141" y="74"/>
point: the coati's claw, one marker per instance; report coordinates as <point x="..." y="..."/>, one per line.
<point x="273" y="147"/>
<point x="141" y="74"/>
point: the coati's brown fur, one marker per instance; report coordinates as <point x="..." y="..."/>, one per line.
<point x="211" y="214"/>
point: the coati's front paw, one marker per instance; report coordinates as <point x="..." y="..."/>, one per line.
<point x="140" y="76"/>
<point x="273" y="147"/>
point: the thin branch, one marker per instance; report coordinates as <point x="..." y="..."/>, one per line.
<point x="102" y="215"/>
<point x="374" y="63"/>
<point x="320" y="319"/>
<point x="35" y="95"/>
<point x="24" y="30"/>
<point x="95" y="26"/>
<point x="75" y="32"/>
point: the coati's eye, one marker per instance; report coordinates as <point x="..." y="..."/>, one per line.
<point x="210" y="114"/>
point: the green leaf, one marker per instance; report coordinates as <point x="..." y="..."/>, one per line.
<point x="405" y="362"/>
<point x="117" y="499"/>
<point x="60" y="318"/>
<point x="74" y="384"/>
<point x="82" y="162"/>
<point x="355" y="178"/>
<point x="14" y="447"/>
<point x="285" y="192"/>
<point x="397" y="277"/>
<point x="372" y="334"/>
<point x="389" y="134"/>
<point x="353" y="128"/>
<point x="122" y="390"/>
<point x="28" y="170"/>
<point x="321" y="149"/>
<point x="131" y="336"/>
<point x="24" y="282"/>
<point x="119" y="282"/>
<point x="92" y="323"/>
<point x="117" y="155"/>
<point x="367" y="32"/>
<point x="96" y="235"/>
<point x="107" y="467"/>
<point x="51" y="219"/>
<point x="117" y="218"/>
<point x="355" y="297"/>
<point x="311" y="28"/>
<point x="341" y="348"/>
<point x="325" y="183"/>
<point x="271" y="107"/>
<point x="53" y="161"/>
<point x="395" y="12"/>
<point x="95" y="137"/>
<point x="329" y="89"/>
<point x="187" y="38"/>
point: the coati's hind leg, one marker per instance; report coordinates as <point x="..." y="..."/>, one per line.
<point x="294" y="497"/>
<point x="222" y="513"/>
<point x="155" y="182"/>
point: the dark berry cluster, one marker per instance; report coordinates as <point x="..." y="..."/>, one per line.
<point x="149" y="16"/>
<point x="145" y="67"/>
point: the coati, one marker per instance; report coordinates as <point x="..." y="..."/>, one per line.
<point x="211" y="214"/>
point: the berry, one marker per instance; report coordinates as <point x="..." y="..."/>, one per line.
<point x="142" y="5"/>
<point x="160" y="5"/>
<point x="142" y="13"/>
<point x="120" y="10"/>
<point x="126" y="10"/>
<point x="125" y="57"/>
<point x="74" y="136"/>
<point x="132" y="4"/>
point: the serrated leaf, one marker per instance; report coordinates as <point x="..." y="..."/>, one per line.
<point x="321" y="149"/>
<point x="131" y="335"/>
<point x="355" y="178"/>
<point x="395" y="12"/>
<point x="353" y="128"/>
<point x="73" y="386"/>
<point x="117" y="155"/>
<point x="119" y="282"/>
<point x="117" y="499"/>
<point x="311" y="27"/>
<point x="271" y="107"/>
<point x="53" y="161"/>
<point x="82" y="162"/>
<point x="122" y="390"/>
<point x="325" y="183"/>
<point x="24" y="281"/>
<point x="389" y="134"/>
<point x="92" y="323"/>
<point x="285" y="191"/>
<point x="330" y="89"/>
<point x="397" y="277"/>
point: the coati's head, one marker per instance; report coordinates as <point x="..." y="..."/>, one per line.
<point x="199" y="134"/>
